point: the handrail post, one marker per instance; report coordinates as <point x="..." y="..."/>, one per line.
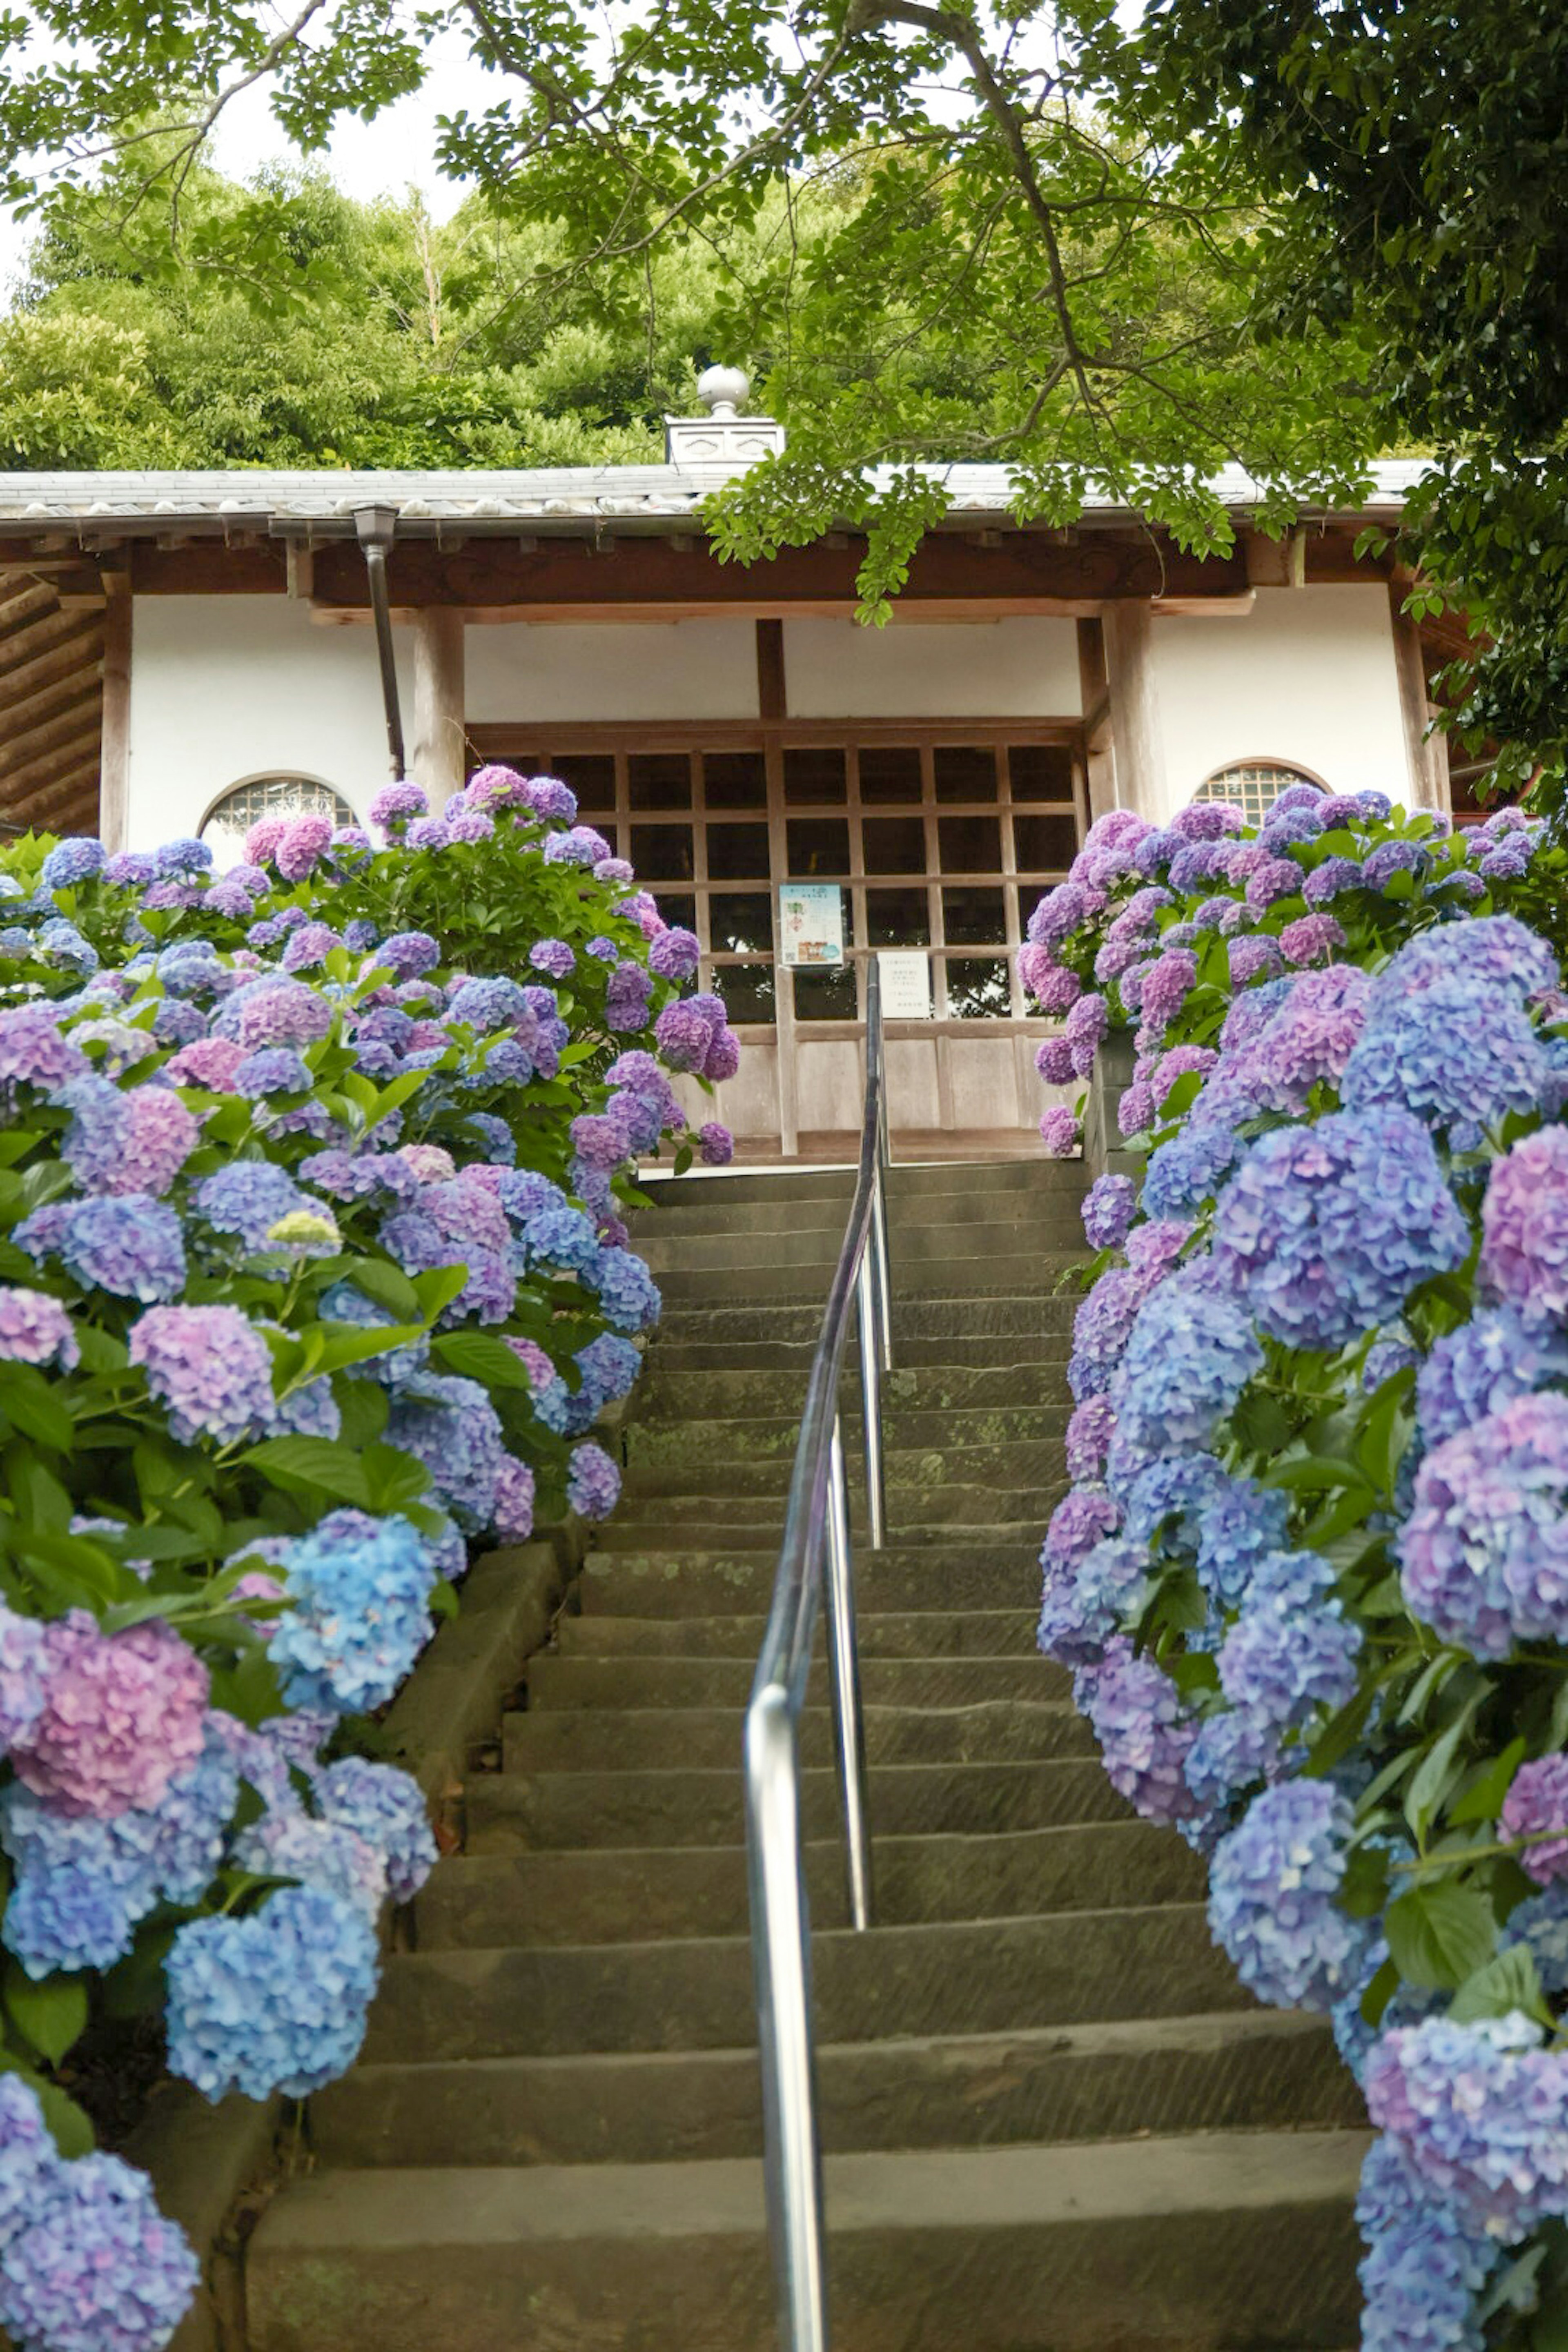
<point x="844" y="1674"/>
<point x="780" y="1949"/>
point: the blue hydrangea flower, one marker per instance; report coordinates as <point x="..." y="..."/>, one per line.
<point x="360" y="1590"/>
<point x="1329" y="1228"/>
<point x="1189" y="1170"/>
<point x="95" y="2267"/>
<point x="129" y="1245"/>
<point x="555" y="1235"/>
<point x="1109" y="1206"/>
<point x="486" y="1004"/>
<point x="342" y="1303"/>
<point x="274" y="2002"/>
<point x="385" y="1807"/>
<point x="1086" y="1599"/>
<point x="248" y="1198"/>
<point x="628" y="1294"/>
<point x="1477" y="2110"/>
<point x="71" y="861"/>
<point x="1424" y="2270"/>
<point x="1241" y="1524"/>
<point x="1460" y="1055"/>
<point x="593" y="1482"/>
<point x="272" y="1070"/>
<point x="1483" y="1555"/>
<point x="1481" y="1366"/>
<point x="1231" y="1755"/>
<point x="1191" y="1353"/>
<point x="1272" y="1888"/>
<point x="1292" y="1650"/>
<point x="287" y="1843"/>
<point x="451" y="1426"/>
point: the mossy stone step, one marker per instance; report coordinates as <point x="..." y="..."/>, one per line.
<point x="709" y="1584"/>
<point x="665" y="1396"/>
<point x="774" y="1437"/>
<point x="964" y="1314"/>
<point x="934" y="1472"/>
<point x="918" y="1633"/>
<point x="628" y="1739"/>
<point x="917" y="1278"/>
<point x="555" y="1681"/>
<point x="1248" y="2071"/>
<point x="581" y="1896"/>
<point x="704" y="1805"/>
<point x="1185" y="2244"/>
<point x="755" y="1523"/>
<point x="967" y="1977"/>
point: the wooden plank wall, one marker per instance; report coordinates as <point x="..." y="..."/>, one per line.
<point x="51" y="704"/>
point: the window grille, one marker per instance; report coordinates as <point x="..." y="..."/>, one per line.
<point x="1253" y="786"/>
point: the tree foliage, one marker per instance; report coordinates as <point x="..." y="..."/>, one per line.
<point x="1273" y="232"/>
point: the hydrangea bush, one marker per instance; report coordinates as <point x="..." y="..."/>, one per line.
<point x="1311" y="1578"/>
<point x="1157" y="928"/>
<point x="313" y="1271"/>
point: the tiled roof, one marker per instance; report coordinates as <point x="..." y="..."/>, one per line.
<point x="564" y="498"/>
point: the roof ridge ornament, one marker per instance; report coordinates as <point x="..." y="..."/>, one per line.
<point x="726" y="439"/>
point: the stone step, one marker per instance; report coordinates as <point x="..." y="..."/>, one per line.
<point x="935" y="1471"/>
<point x="907" y="1181"/>
<point x="1253" y="2071"/>
<point x="762" y="1278"/>
<point x="920" y="1633"/>
<point x="756" y="1524"/>
<point x="1055" y="1209"/>
<point x="774" y="1438"/>
<point x="916" y="1513"/>
<point x="680" y="1352"/>
<point x="986" y="1976"/>
<point x="708" y="1584"/>
<point x="1049" y="1242"/>
<point x="694" y="1397"/>
<point x="579" y="1896"/>
<point x="704" y="1806"/>
<point x="557" y="1682"/>
<point x="1187" y="2244"/>
<point x="573" y="1739"/>
<point x="1032" y="1329"/>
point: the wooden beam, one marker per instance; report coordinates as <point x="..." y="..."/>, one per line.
<point x="47" y="764"/>
<point x="114" y="791"/>
<point x="29" y="669"/>
<point x="439" y="749"/>
<point x="1140" y="744"/>
<point x="772" y="699"/>
<point x="1426" y="760"/>
<point x="57" y="636"/>
<point x="1098" y="739"/>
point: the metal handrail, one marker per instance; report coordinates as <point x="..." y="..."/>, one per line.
<point x="816" y="1538"/>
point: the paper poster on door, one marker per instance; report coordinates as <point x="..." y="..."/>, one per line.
<point x="906" y="983"/>
<point x="811" y="922"/>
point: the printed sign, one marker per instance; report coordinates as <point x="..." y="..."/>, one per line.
<point x="906" y="983"/>
<point x="811" y="922"/>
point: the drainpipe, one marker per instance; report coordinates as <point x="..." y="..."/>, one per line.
<point x="377" y="526"/>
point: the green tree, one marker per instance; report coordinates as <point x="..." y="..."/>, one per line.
<point x="1277" y="232"/>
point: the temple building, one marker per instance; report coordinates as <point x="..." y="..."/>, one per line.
<point x="181" y="652"/>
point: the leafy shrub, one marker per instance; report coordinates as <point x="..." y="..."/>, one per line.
<point x="1312" y="1576"/>
<point x="313" y="1268"/>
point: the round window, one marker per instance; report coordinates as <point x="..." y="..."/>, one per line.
<point x="230" y="819"/>
<point x="1254" y="785"/>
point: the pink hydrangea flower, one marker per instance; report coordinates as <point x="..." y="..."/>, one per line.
<point x="263" y="839"/>
<point x="122" y="1717"/>
<point x="1538" y="1801"/>
<point x="430" y="1161"/>
<point x="209" y="1062"/>
<point x="35" y="1329"/>
<point x="541" y="1371"/>
<point x="304" y="842"/>
<point x="1058" y="1132"/>
<point x="514" y="1501"/>
<point x="1524" y="1226"/>
<point x="1310" y="938"/>
<point x="208" y="1367"/>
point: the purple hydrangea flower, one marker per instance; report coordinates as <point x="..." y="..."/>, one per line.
<point x="35" y="1329"/>
<point x="1536" y="1814"/>
<point x="1089" y="1436"/>
<point x="1524" y="1226"/>
<point x="1190" y="1354"/>
<point x="593" y="1482"/>
<point x="95" y="2267"/>
<point x="1310" y="938"/>
<point x="1059" y="1132"/>
<point x="1481" y="1366"/>
<point x="1484" y="1553"/>
<point x="715" y="1144"/>
<point x="1479" y="2113"/>
<point x="1144" y="1740"/>
<point x="1109" y="1208"/>
<point x="1329" y="1228"/>
<point x="129" y="1245"/>
<point x="385" y="1807"/>
<point x="248" y="1198"/>
<point x="395" y="804"/>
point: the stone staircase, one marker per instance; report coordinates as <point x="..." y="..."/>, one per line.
<point x="1054" y="2122"/>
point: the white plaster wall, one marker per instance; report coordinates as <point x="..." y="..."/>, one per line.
<point x="611" y="669"/>
<point x="227" y="687"/>
<point x="1022" y="668"/>
<point x="1307" y="676"/>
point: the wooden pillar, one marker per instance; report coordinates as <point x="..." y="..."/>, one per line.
<point x="1426" y="755"/>
<point x="1137" y="738"/>
<point x="1095" y="695"/>
<point x="439" y="758"/>
<point x="114" y="759"/>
